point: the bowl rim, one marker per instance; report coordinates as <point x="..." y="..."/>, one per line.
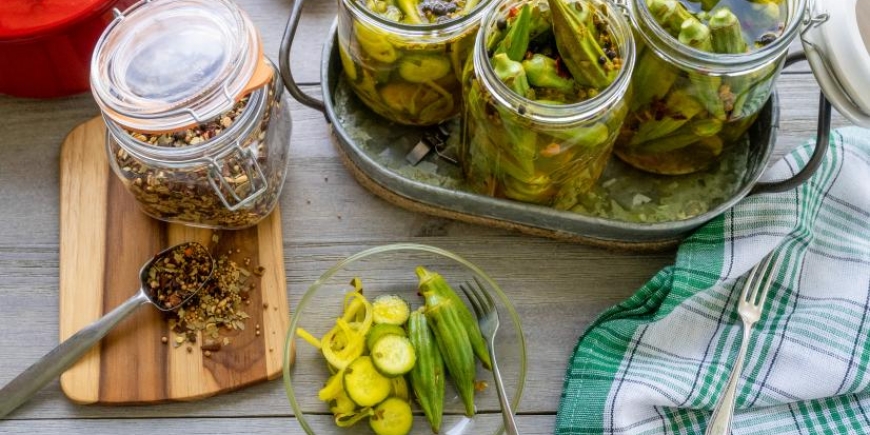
<point x="289" y="338"/>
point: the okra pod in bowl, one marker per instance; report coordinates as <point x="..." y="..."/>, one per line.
<point x="546" y="96"/>
<point x="704" y="71"/>
<point x="403" y="58"/>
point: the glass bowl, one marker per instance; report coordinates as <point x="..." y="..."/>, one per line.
<point x="389" y="269"/>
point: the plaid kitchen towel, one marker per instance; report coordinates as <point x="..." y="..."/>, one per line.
<point x="657" y="363"/>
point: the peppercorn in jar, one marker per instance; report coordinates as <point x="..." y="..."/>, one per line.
<point x="198" y="124"/>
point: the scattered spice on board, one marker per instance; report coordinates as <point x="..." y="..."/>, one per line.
<point x="218" y="307"/>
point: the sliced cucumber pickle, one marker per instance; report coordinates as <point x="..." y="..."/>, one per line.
<point x="393" y="355"/>
<point x="392" y="417"/>
<point x="363" y="384"/>
<point x="390" y="309"/>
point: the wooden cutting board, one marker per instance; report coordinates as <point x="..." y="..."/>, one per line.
<point x="104" y="241"/>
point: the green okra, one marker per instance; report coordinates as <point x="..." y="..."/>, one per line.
<point x="428" y="374"/>
<point x="511" y="73"/>
<point x="670" y="14"/>
<point x="542" y="71"/>
<point x="652" y="79"/>
<point x="706" y="89"/>
<point x="412" y="14"/>
<point x="708" y="5"/>
<point x="588" y="136"/>
<point x="521" y="142"/>
<point x="434" y="282"/>
<point x="682" y="104"/>
<point x="443" y="312"/>
<point x="696" y="34"/>
<point x="706" y="127"/>
<point x="516" y="41"/>
<point x="577" y="45"/>
<point x="681" y="107"/>
<point x="655" y="129"/>
<point x="726" y="32"/>
<point x="701" y="132"/>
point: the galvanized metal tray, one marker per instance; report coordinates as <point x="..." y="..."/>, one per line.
<point x="375" y="151"/>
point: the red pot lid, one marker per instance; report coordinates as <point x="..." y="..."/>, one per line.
<point x="29" y="18"/>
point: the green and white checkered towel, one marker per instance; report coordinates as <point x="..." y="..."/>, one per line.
<point x="657" y="363"/>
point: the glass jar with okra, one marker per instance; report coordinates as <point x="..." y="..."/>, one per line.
<point x="546" y="95"/>
<point x="704" y="71"/>
<point x="403" y="58"/>
<point x="198" y="124"/>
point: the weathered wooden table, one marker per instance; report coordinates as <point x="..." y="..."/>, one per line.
<point x="557" y="288"/>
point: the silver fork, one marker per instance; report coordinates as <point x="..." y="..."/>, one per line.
<point x="750" y="308"/>
<point x="487" y="318"/>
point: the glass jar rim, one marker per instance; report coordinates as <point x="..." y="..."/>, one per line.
<point x="563" y="113"/>
<point x="212" y="149"/>
<point x="405" y="30"/>
<point x="714" y="63"/>
<point x="164" y="65"/>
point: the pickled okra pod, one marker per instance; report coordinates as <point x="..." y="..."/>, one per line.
<point x="452" y="338"/>
<point x="726" y="33"/>
<point x="428" y="374"/>
<point x="543" y="71"/>
<point x="576" y="41"/>
<point x="516" y="40"/>
<point x="435" y="283"/>
<point x="670" y="14"/>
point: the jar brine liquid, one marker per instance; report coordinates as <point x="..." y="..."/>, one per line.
<point x="546" y="95"/>
<point x="704" y="72"/>
<point x="404" y="62"/>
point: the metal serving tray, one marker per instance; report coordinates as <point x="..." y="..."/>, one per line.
<point x="375" y="152"/>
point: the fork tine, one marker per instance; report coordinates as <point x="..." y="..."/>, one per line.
<point x="472" y="298"/>
<point x="748" y="284"/>
<point x="768" y="282"/>
<point x="761" y="283"/>
<point x="490" y="303"/>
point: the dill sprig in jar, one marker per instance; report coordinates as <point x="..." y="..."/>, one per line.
<point x="198" y="125"/>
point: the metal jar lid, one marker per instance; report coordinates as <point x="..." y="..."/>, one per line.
<point x="836" y="41"/>
<point x="165" y="65"/>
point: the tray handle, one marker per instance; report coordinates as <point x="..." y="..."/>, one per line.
<point x="823" y="134"/>
<point x="284" y="59"/>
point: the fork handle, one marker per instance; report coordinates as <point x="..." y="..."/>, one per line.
<point x="510" y="424"/>
<point x="720" y="421"/>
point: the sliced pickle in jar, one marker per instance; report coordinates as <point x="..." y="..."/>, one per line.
<point x="374" y="43"/>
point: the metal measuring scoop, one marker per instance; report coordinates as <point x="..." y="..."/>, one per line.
<point x="50" y="366"/>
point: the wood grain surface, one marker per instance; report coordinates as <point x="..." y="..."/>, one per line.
<point x="104" y="241"/>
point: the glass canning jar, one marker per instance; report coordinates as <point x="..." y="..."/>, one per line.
<point x="407" y="72"/>
<point x="537" y="150"/>
<point x="689" y="104"/>
<point x="198" y="123"/>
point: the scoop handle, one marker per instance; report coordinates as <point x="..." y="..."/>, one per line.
<point x="55" y="362"/>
